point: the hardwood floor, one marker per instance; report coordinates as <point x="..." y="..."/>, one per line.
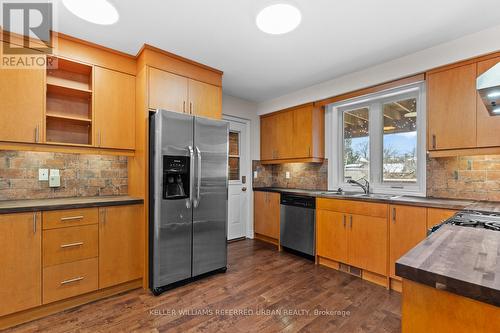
<point x="259" y="278"/>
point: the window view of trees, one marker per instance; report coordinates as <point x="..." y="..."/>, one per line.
<point x="356" y="144"/>
<point x="399" y="149"/>
<point x="400" y="141"/>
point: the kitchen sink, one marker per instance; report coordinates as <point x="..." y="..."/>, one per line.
<point x="376" y="196"/>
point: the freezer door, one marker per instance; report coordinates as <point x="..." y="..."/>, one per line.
<point x="171" y="230"/>
<point x="210" y="197"/>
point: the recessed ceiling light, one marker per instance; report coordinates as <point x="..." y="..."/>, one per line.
<point x="95" y="11"/>
<point x="494" y="94"/>
<point x="278" y="19"/>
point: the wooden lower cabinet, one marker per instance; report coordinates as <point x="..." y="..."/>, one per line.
<point x="70" y="279"/>
<point x="368" y="243"/>
<point x="437" y="215"/>
<point x="422" y="303"/>
<point x="353" y="239"/>
<point x="120" y="245"/>
<point x="407" y="227"/>
<point x="267" y="216"/>
<point x="331" y="237"/>
<point x="70" y="244"/>
<point x="20" y="262"/>
<point x="56" y="259"/>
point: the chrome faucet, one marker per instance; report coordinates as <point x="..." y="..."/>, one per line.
<point x="365" y="187"/>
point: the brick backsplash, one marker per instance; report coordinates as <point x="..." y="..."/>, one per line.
<point x="464" y="177"/>
<point x="310" y="176"/>
<point x="81" y="175"/>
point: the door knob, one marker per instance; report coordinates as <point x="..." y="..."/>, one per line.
<point x="244" y="189"/>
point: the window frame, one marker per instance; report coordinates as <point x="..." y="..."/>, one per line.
<point x="334" y="145"/>
<point x="235" y="181"/>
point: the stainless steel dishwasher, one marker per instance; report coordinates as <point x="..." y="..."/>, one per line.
<point x="298" y="223"/>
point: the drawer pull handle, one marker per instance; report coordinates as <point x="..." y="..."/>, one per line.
<point x="72" y="280"/>
<point x="71" y="218"/>
<point x="71" y="245"/>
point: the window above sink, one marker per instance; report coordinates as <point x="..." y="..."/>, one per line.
<point x="380" y="138"/>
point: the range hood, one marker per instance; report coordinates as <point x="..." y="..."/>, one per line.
<point x="488" y="87"/>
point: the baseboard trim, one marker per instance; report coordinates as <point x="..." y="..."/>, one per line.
<point x="375" y="278"/>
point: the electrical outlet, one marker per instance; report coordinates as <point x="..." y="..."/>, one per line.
<point x="54" y="178"/>
<point x="255" y="174"/>
<point x="43" y="174"/>
<point x="287" y="175"/>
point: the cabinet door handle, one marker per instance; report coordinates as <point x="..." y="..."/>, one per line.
<point x="183" y="106"/>
<point x="393" y="214"/>
<point x="37" y="133"/>
<point x="191" y="107"/>
<point x="71" y="218"/>
<point x="72" y="280"/>
<point x="350" y="221"/>
<point x="63" y="246"/>
<point x="98" y="138"/>
<point x="434" y="141"/>
<point x="34" y="223"/>
<point x="309" y="149"/>
<point x="344" y="221"/>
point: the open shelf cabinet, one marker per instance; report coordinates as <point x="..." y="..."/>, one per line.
<point x="68" y="113"/>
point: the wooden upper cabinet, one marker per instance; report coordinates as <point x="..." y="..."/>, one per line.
<point x="267" y="137"/>
<point x="295" y="134"/>
<point x="308" y="132"/>
<point x="167" y="91"/>
<point x="267" y="214"/>
<point x="22" y="100"/>
<point x="120" y="245"/>
<point x="114" y="109"/>
<point x="284" y="136"/>
<point x="451" y="111"/>
<point x="407" y="227"/>
<point x="205" y="100"/>
<point x="488" y="127"/>
<point x="20" y="262"/>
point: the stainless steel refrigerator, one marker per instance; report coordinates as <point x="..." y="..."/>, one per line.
<point x="188" y="198"/>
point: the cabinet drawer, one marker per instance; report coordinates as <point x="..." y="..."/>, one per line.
<point x="70" y="218"/>
<point x="70" y="244"/>
<point x="68" y="280"/>
<point x="353" y="207"/>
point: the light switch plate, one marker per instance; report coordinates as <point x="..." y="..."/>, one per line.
<point x="43" y="174"/>
<point x="287" y="175"/>
<point x="255" y="174"/>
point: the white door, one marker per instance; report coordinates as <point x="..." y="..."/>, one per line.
<point x="238" y="178"/>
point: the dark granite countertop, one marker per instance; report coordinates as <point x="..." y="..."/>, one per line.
<point x="31" y="205"/>
<point x="464" y="261"/>
<point x="391" y="199"/>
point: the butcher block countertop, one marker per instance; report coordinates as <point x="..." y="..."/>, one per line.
<point x="32" y="205"/>
<point x="461" y="260"/>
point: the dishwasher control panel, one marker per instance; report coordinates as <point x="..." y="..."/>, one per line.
<point x="298" y="201"/>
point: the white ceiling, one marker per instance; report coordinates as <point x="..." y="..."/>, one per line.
<point x="335" y="37"/>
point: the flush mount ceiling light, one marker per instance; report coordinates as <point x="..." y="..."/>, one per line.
<point x="278" y="19"/>
<point x="95" y="11"/>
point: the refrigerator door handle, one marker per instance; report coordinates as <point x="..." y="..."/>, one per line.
<point x="198" y="185"/>
<point x="191" y="173"/>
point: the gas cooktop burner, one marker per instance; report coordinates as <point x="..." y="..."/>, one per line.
<point x="490" y="221"/>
